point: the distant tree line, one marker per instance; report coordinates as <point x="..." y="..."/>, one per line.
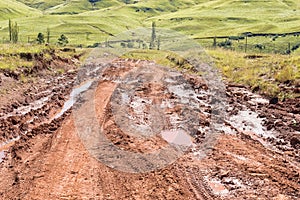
<point x="13" y="32"/>
<point x="228" y="42"/>
<point x="154" y="41"/>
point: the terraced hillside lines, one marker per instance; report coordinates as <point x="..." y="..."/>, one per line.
<point x="41" y="4"/>
<point x="197" y="18"/>
<point x="215" y="18"/>
<point x="12" y="9"/>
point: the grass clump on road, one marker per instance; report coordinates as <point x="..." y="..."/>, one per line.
<point x="164" y="58"/>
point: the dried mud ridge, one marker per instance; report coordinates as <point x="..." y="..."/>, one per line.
<point x="255" y="157"/>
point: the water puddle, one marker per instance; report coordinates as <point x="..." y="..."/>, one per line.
<point x="234" y="183"/>
<point x="75" y="92"/>
<point x="217" y="187"/>
<point x="5" y="146"/>
<point x="254" y="98"/>
<point x="177" y="137"/>
<point x="2" y="155"/>
<point x="259" y="100"/>
<point x="250" y="122"/>
<point x="23" y="110"/>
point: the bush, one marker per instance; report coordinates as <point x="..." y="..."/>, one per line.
<point x="63" y="40"/>
<point x="225" y="44"/>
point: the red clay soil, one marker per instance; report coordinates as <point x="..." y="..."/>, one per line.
<point x="51" y="162"/>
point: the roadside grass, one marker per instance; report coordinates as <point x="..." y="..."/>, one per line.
<point x="13" y="62"/>
<point x="10" y="55"/>
<point x="14" y="56"/>
<point x="6" y="49"/>
<point x="263" y="72"/>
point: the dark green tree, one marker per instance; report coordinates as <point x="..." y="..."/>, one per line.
<point x="9" y="29"/>
<point x="48" y="35"/>
<point x="14" y="32"/>
<point x="127" y="1"/>
<point x="158" y="43"/>
<point x="40" y="38"/>
<point x="153" y="36"/>
<point x="63" y="40"/>
<point x="93" y="2"/>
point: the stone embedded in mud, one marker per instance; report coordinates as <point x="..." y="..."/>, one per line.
<point x="273" y="100"/>
<point x="14" y="120"/>
<point x="295" y="142"/>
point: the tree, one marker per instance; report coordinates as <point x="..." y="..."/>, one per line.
<point x="63" y="40"/>
<point x="40" y="38"/>
<point x="123" y="45"/>
<point x="130" y="45"/>
<point x="93" y="2"/>
<point x="153" y="36"/>
<point x="14" y="32"/>
<point x="9" y="29"/>
<point x="158" y="43"/>
<point x="48" y="35"/>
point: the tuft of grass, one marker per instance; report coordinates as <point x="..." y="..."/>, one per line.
<point x="164" y="58"/>
<point x="13" y="62"/>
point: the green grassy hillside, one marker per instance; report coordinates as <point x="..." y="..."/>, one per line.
<point x="86" y="24"/>
<point x="14" y="9"/>
<point x="42" y="5"/>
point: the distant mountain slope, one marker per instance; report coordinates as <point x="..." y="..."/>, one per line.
<point x="85" y="23"/>
<point x="13" y="9"/>
<point x="42" y="5"/>
<point x="234" y="17"/>
<point x="69" y="6"/>
<point x="80" y="6"/>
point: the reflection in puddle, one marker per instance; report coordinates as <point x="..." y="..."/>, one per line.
<point x="178" y="137"/>
<point x="75" y="92"/>
<point x="2" y="155"/>
<point x="23" y="110"/>
<point x="217" y="187"/>
<point x="250" y="121"/>
<point x="5" y="146"/>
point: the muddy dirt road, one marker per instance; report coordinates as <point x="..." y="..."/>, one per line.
<point x="45" y="155"/>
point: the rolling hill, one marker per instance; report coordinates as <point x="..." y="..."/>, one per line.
<point x="14" y="9"/>
<point x="85" y="23"/>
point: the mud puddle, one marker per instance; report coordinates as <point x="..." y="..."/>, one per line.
<point x="178" y="137"/>
<point x="72" y="99"/>
<point x="250" y="121"/>
<point x="5" y="146"/>
<point x="2" y="155"/>
<point x="23" y="110"/>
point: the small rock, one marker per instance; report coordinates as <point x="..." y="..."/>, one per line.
<point x="274" y="100"/>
